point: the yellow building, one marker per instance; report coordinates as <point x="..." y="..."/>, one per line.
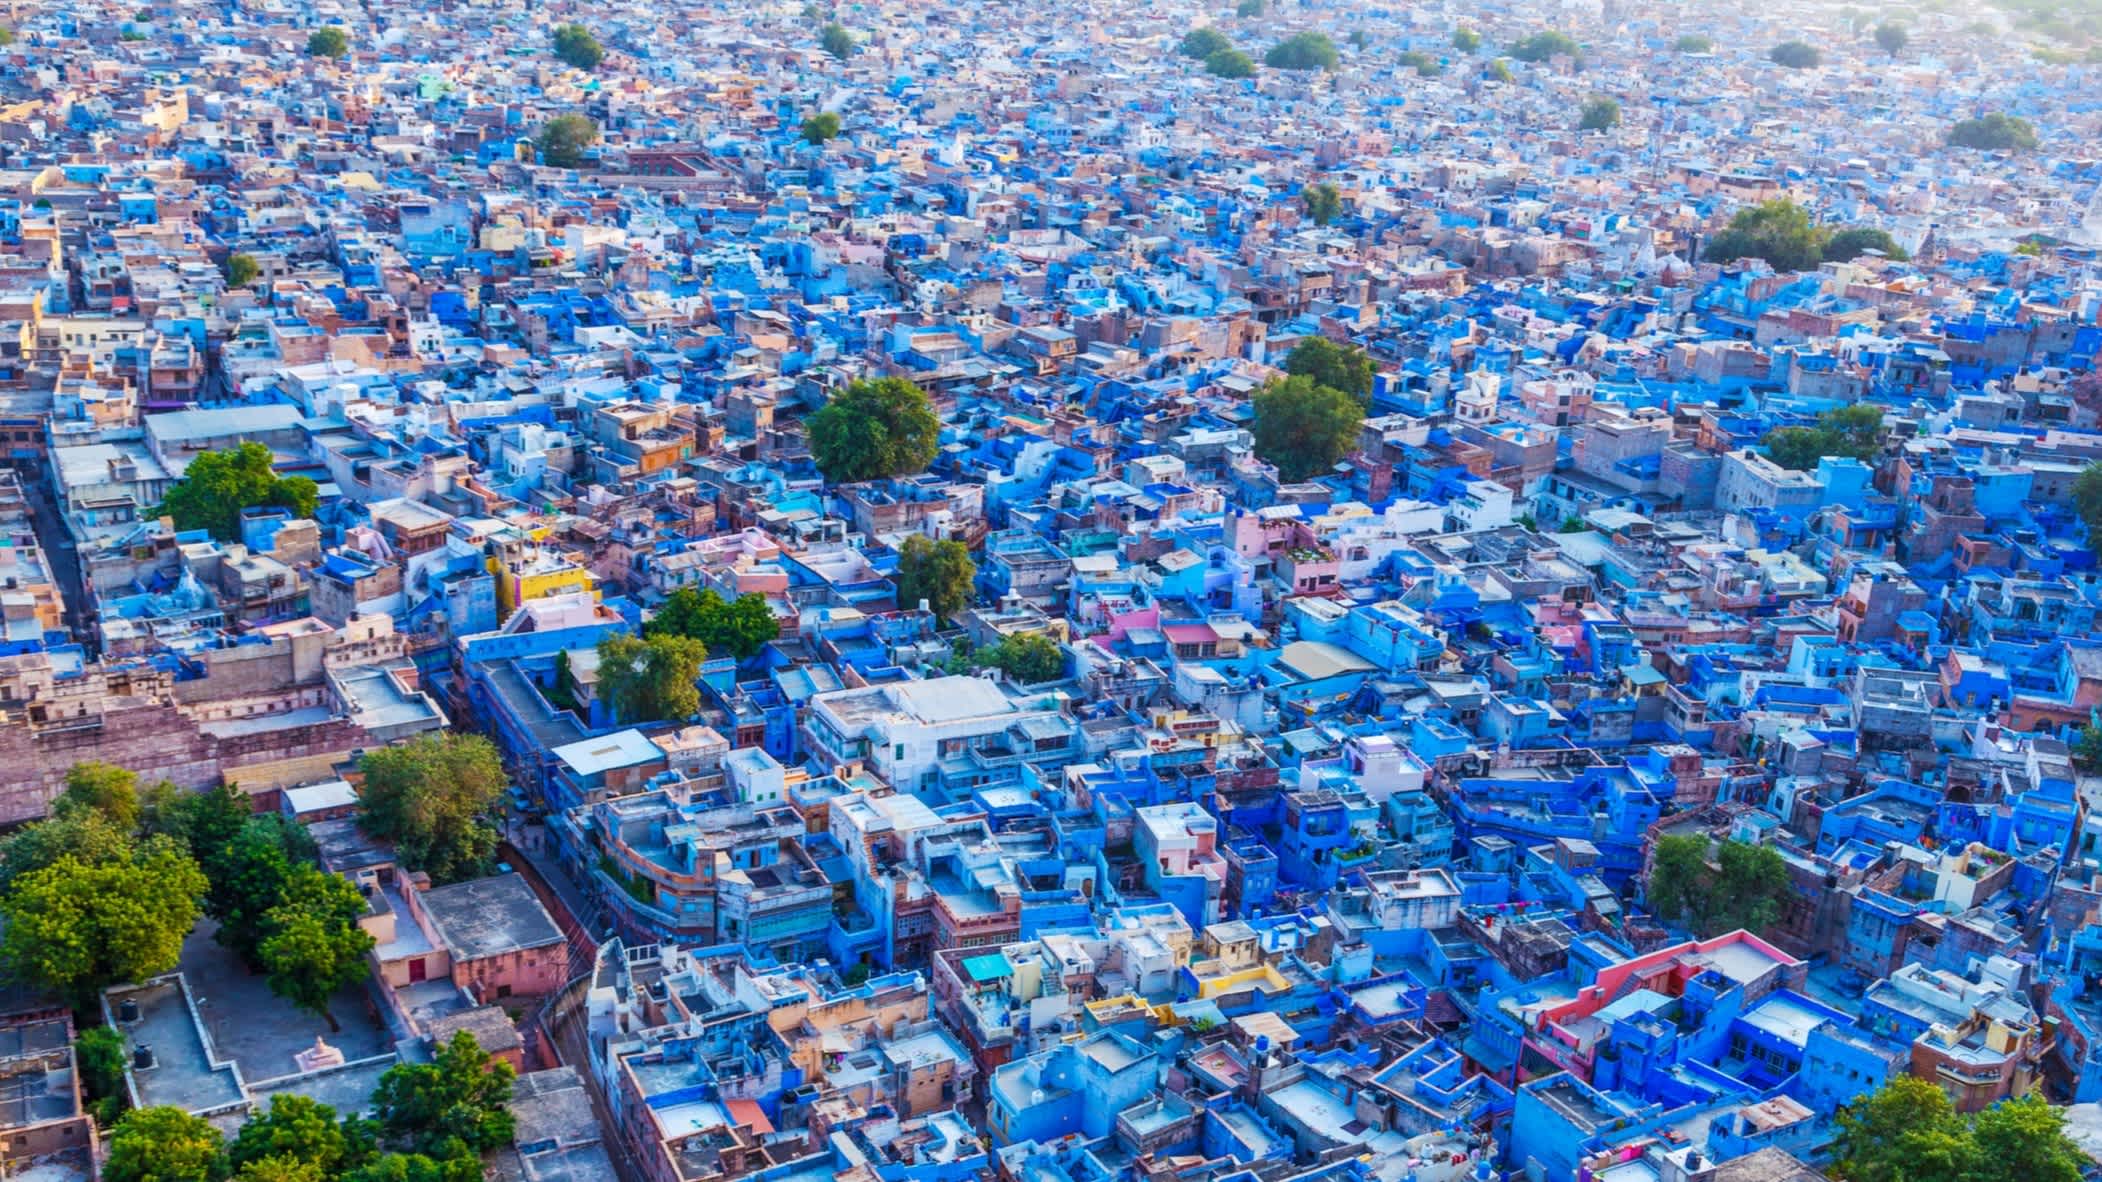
<point x="536" y="574"/>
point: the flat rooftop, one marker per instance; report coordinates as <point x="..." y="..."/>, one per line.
<point x="488" y="917"/>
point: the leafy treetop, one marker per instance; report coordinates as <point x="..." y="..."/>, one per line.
<point x="940" y="573"/>
<point x="575" y="44"/>
<point x="219" y="484"/>
<point x="431" y="797"/>
<point x="1309" y="50"/>
<point x="875" y="428"/>
<point x="1303" y="427"/>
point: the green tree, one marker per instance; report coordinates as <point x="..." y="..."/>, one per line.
<point x="1498" y="70"/>
<point x="1693" y="43"/>
<point x="820" y="127"/>
<point x="647" y="679"/>
<point x="204" y="823"/>
<point x="2087" y="499"/>
<point x="241" y="269"/>
<point x="1466" y="40"/>
<point x="1907" y="1131"/>
<point x="86" y="837"/>
<point x="875" y="428"/>
<point x="1358" y="40"/>
<point x="2087" y="749"/>
<point x="75" y="928"/>
<point x="1029" y="658"/>
<point x="1741" y="887"/>
<point x="462" y="1166"/>
<point x="1995" y="132"/>
<point x="1201" y="43"/>
<point x="2025" y="1138"/>
<point x="313" y="947"/>
<point x="938" y="573"/>
<point x="563" y="139"/>
<point x="280" y="1169"/>
<point x="1309" y="50"/>
<point x="219" y="484"/>
<point x="94" y="786"/>
<point x="302" y="1130"/>
<point x="1601" y="112"/>
<point x="463" y="1095"/>
<point x="247" y="878"/>
<point x="164" y="1145"/>
<point x="432" y="797"/>
<point x="1322" y="203"/>
<point x="1230" y="63"/>
<point x="1853" y="431"/>
<point x="1779" y="231"/>
<point x="327" y="41"/>
<point x="1339" y="367"/>
<point x="739" y="627"/>
<point x="1423" y="63"/>
<point x="99" y="1053"/>
<point x="1848" y="245"/>
<point x="1546" y="45"/>
<point x="1247" y="8"/>
<point x="1892" y="37"/>
<point x="1303" y="427"/>
<point x="575" y="44"/>
<point x="7" y="36"/>
<point x="837" y="41"/>
<point x="1796" y="55"/>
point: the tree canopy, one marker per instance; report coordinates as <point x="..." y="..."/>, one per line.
<point x="1309" y="50"/>
<point x="1546" y="45"/>
<point x="1323" y="203"/>
<point x="1466" y="40"/>
<point x="739" y="627"/>
<point x="1907" y="1131"/>
<point x="563" y="139"/>
<point x="837" y="41"/>
<point x="312" y="946"/>
<point x="77" y="927"/>
<point x="1230" y="63"/>
<point x="1851" y="431"/>
<point x="820" y="127"/>
<point x="462" y="1095"/>
<point x="241" y="269"/>
<point x="302" y="1130"/>
<point x="1891" y="36"/>
<point x="1996" y="132"/>
<point x="1425" y="65"/>
<point x="1304" y="427"/>
<point x="1694" y="43"/>
<point x="1202" y="42"/>
<point x="1339" y="367"/>
<point x="875" y="428"/>
<point x="1249" y="8"/>
<point x="327" y="41"/>
<point x="941" y="573"/>
<point x="432" y="797"/>
<point x="105" y="788"/>
<point x="1850" y="244"/>
<point x="1600" y="113"/>
<point x="1796" y="55"/>
<point x="575" y="44"/>
<point x="2087" y="500"/>
<point x="645" y="679"/>
<point x="219" y="484"/>
<point x="1742" y="888"/>
<point x="1779" y="231"/>
<point x="1029" y="657"/>
<point x="164" y="1145"/>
